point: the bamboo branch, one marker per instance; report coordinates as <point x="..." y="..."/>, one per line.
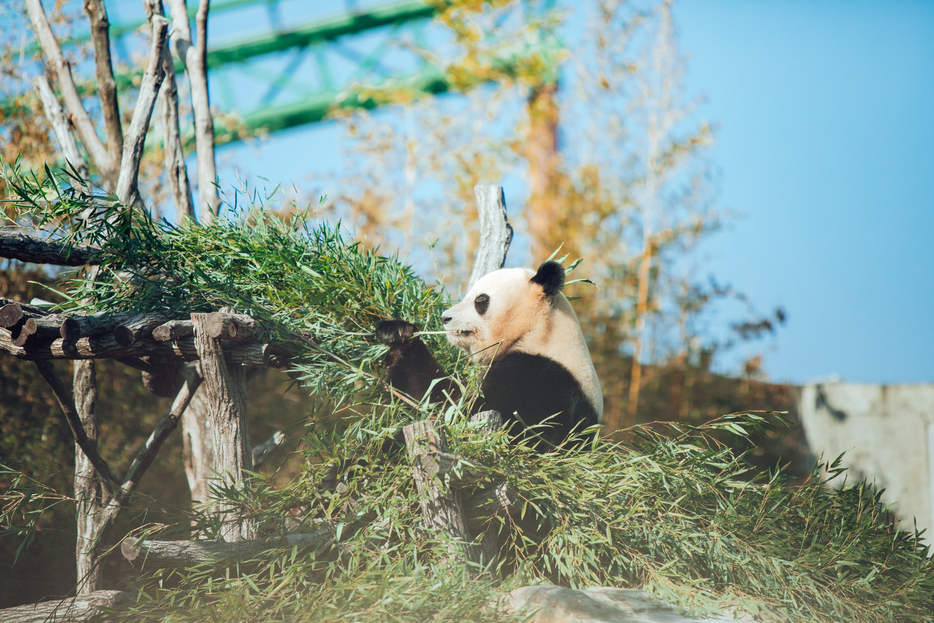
<point x="89" y="448"/>
<point x="25" y="248"/>
<point x="106" y="85"/>
<point x="66" y="84"/>
<point x="194" y="57"/>
<point x="128" y="180"/>
<point x="63" y="136"/>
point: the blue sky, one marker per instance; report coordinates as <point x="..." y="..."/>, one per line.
<point x="825" y="145"/>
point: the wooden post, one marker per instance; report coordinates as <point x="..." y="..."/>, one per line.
<point x="225" y="387"/>
<point x="489" y="549"/>
<point x="443" y="511"/>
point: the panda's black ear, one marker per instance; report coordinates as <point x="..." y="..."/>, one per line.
<point x="550" y="277"/>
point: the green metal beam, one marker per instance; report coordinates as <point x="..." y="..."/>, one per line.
<point x="429" y="81"/>
<point x="313" y="32"/>
<point x="318" y="31"/>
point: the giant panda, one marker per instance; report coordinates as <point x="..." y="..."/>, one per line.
<point x="519" y="325"/>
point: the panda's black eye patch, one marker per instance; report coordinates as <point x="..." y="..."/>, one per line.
<point x="481" y="303"/>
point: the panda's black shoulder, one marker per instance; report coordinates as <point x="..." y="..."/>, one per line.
<point x="537" y="387"/>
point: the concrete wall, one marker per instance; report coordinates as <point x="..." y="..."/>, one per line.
<point x="887" y="433"/>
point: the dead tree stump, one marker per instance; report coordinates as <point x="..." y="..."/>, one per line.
<point x="443" y="511"/>
<point x="225" y="386"/>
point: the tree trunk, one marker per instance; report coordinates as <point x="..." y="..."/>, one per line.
<point x="198" y="447"/>
<point x="546" y="219"/>
<point x="443" y="511"/>
<point x="225" y="386"/>
<point x="89" y="490"/>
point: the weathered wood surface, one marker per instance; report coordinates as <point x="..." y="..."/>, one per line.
<point x="76" y="327"/>
<point x="495" y="231"/>
<point x="71" y="610"/>
<point x="234" y="327"/>
<point x="29" y="248"/>
<point x="489" y="503"/>
<point x="225" y="384"/>
<point x="173" y="330"/>
<point x="178" y="554"/>
<point x="105" y="346"/>
<point x="139" y="326"/>
<point x="12" y="312"/>
<point x="35" y="329"/>
<point x="442" y="510"/>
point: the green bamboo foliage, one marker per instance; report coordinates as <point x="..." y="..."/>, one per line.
<point x="671" y="510"/>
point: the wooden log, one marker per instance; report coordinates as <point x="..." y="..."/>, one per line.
<point x="14" y="313"/>
<point x="22" y="331"/>
<point x="76" y="327"/>
<point x="225" y="386"/>
<point x="10" y="315"/>
<point x="71" y="610"/>
<point x="442" y="511"/>
<point x="489" y="422"/>
<point x="47" y="327"/>
<point x="173" y="330"/>
<point x="40" y="250"/>
<point x="227" y="326"/>
<point x="495" y="231"/>
<point x="179" y="554"/>
<point x="141" y="325"/>
<point x="261" y="355"/>
<point x="105" y="346"/>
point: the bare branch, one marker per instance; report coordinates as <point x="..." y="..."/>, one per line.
<point x="66" y="84"/>
<point x="174" y="154"/>
<point x="179" y="554"/>
<point x="195" y="59"/>
<point x="17" y="246"/>
<point x="166" y="425"/>
<point x="128" y="181"/>
<point x="56" y="117"/>
<point x="89" y="448"/>
<point x="106" y="85"/>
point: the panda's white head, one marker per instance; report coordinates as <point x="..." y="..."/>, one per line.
<point x="521" y="310"/>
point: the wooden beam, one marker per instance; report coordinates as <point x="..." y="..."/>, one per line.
<point x="38" y="250"/>
<point x="180" y="554"/>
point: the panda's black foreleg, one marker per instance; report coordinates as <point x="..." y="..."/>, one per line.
<point x="410" y="366"/>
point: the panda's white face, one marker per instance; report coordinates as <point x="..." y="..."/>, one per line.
<point x="494" y="314"/>
<point x="521" y="310"/>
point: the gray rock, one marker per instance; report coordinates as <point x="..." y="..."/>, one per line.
<point x="554" y="604"/>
